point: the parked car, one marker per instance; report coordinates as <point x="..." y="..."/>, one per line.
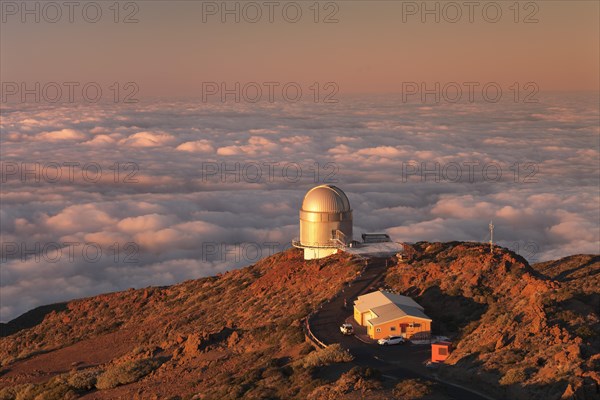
<point x="437" y="339"/>
<point x="347" y="329"/>
<point x="387" y="341"/>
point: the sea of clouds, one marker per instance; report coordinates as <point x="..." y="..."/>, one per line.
<point x="170" y="190"/>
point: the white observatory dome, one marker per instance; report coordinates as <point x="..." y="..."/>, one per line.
<point x="325" y="222"/>
<point x="325" y="198"/>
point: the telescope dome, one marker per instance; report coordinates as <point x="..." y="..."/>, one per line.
<point x="325" y="222"/>
<point x="326" y="198"/>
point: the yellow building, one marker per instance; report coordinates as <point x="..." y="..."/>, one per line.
<point x="385" y="314"/>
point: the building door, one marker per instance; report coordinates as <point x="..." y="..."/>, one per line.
<point x="364" y="317"/>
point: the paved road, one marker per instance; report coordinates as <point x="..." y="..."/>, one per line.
<point x="402" y="361"/>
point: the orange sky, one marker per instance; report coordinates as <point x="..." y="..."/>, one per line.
<point x="171" y="51"/>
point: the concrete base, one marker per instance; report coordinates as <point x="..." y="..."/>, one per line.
<point x="316" y="253"/>
<point x="384" y="249"/>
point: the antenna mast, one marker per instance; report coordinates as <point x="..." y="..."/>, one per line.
<point x="491" y="238"/>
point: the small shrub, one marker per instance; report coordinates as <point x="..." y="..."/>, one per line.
<point x="54" y="389"/>
<point x="361" y="379"/>
<point x="584" y="331"/>
<point x="412" y="389"/>
<point x="512" y="376"/>
<point x="83" y="380"/>
<point x="371" y="373"/>
<point x="7" y="393"/>
<point x="26" y="392"/>
<point x="364" y="372"/>
<point x="294" y="335"/>
<point x="57" y="391"/>
<point x="470" y="328"/>
<point x="329" y="355"/>
<point x="511" y="357"/>
<point x="307" y="348"/>
<point x="127" y="372"/>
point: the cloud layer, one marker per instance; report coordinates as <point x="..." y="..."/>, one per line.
<point x="174" y="190"/>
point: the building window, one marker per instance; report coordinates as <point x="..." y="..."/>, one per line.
<point x="442" y="351"/>
<point x="393" y="328"/>
<point x="378" y="330"/>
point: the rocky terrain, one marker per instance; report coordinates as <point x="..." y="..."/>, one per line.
<point x="223" y="337"/>
<point x="520" y="332"/>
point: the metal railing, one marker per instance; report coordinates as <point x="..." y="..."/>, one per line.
<point x="330" y="243"/>
<point x="310" y="335"/>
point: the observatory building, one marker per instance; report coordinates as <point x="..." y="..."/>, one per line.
<point x="325" y="222"/>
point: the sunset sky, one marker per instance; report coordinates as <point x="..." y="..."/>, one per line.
<point x="171" y="51"/>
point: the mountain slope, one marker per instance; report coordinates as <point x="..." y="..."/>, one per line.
<point x="522" y="332"/>
<point x="212" y="334"/>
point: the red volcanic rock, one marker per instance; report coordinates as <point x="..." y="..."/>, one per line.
<point x="213" y="332"/>
<point x="508" y="316"/>
<point x="192" y="345"/>
<point x="520" y="331"/>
